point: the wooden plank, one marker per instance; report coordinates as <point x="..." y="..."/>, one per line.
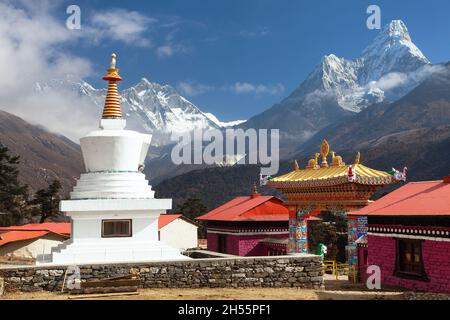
<point x="127" y="276"/>
<point x="109" y="283"/>
<point x="91" y="296"/>
<point x="110" y="289"/>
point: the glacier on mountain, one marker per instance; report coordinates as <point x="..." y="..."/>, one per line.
<point x="147" y="106"/>
<point x="388" y="68"/>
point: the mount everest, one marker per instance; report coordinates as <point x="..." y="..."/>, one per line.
<point x="148" y="107"/>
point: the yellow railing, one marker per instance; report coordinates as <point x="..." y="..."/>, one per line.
<point x="336" y="268"/>
<point x="329" y="265"/>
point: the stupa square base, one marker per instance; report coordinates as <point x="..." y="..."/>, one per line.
<point x="84" y="252"/>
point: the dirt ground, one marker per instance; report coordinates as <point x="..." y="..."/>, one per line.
<point x="334" y="290"/>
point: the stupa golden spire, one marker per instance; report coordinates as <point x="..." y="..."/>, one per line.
<point x="111" y="110"/>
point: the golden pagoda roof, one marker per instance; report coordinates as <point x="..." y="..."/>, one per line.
<point x="333" y="175"/>
<point x="318" y="174"/>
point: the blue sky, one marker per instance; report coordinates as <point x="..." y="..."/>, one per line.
<point x="237" y="58"/>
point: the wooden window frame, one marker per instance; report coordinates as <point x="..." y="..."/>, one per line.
<point x="398" y="272"/>
<point x="129" y="235"/>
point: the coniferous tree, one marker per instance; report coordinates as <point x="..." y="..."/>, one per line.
<point x="14" y="206"/>
<point x="46" y="201"/>
<point x="192" y="208"/>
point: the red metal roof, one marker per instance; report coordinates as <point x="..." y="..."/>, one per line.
<point x="427" y="198"/>
<point x="165" y="219"/>
<point x="55" y="227"/>
<point x="249" y="208"/>
<point x="31" y="231"/>
<point x="13" y="236"/>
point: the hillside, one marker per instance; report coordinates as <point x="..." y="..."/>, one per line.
<point x="44" y="156"/>
<point x="213" y="186"/>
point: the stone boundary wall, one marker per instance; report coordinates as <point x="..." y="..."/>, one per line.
<point x="302" y="271"/>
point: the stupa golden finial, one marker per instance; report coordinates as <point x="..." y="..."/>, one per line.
<point x="111" y="110"/>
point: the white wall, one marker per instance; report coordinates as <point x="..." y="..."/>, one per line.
<point x="180" y="234"/>
<point x="31" y="248"/>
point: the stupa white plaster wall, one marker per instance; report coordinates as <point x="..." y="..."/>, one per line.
<point x="113" y="188"/>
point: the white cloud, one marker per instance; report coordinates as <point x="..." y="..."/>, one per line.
<point x="171" y="46"/>
<point x="30" y="52"/>
<point x="191" y="89"/>
<point x="395" y="80"/>
<point x="317" y="96"/>
<point x="245" y="87"/>
<point x="169" y="50"/>
<point x="129" y="27"/>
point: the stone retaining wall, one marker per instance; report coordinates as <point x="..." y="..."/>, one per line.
<point x="303" y="271"/>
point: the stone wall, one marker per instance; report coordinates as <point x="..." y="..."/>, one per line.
<point x="303" y="271"/>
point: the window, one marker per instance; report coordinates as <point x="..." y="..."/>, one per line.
<point x="276" y="252"/>
<point x="116" y="228"/>
<point x="409" y="261"/>
<point x="222" y="243"/>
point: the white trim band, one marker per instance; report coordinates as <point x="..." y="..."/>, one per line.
<point x="407" y="236"/>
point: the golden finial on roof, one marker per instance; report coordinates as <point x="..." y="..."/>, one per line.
<point x="313" y="163"/>
<point x="296" y="167"/>
<point x="111" y="110"/>
<point x="324" y="150"/>
<point x="336" y="160"/>
<point x="255" y="190"/>
<point x="358" y="157"/>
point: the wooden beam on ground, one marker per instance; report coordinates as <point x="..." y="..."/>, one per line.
<point x="110" y="289"/>
<point x="104" y="295"/>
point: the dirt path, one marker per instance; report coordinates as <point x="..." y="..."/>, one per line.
<point x="340" y="289"/>
<point x="190" y="294"/>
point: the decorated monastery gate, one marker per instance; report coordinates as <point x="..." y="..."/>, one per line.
<point x="334" y="187"/>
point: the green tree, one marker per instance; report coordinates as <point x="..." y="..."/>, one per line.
<point x="321" y="232"/>
<point x="14" y="206"/>
<point x="193" y="208"/>
<point x="46" y="201"/>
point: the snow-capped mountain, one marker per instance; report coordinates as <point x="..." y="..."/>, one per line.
<point x="221" y="124"/>
<point x="148" y="107"/>
<point x="387" y="69"/>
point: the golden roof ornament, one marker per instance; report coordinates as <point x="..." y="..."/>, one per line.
<point x="296" y="167"/>
<point x="357" y="158"/>
<point x="314" y="163"/>
<point x="111" y="110"/>
<point x="336" y="160"/>
<point x="255" y="190"/>
<point x="324" y="150"/>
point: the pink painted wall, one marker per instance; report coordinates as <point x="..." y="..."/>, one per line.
<point x="211" y="242"/>
<point x="242" y="245"/>
<point x="362" y="265"/>
<point x="436" y="255"/>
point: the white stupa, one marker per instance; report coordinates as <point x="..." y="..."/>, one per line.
<point x="112" y="207"/>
